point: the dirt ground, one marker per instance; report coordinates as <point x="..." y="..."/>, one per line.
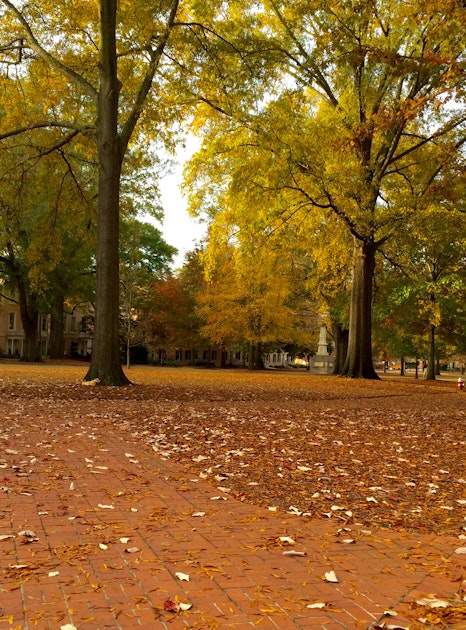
<point x="387" y="453"/>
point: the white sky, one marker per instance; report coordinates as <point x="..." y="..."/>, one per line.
<point x="178" y="228"/>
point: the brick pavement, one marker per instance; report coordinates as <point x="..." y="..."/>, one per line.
<point x="115" y="531"/>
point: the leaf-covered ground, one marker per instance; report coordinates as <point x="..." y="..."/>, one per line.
<point x="389" y="453"/>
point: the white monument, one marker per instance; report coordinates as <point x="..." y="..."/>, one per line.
<point x="322" y="348"/>
<point x="322" y="362"/>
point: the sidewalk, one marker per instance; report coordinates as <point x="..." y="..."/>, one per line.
<point x="118" y="538"/>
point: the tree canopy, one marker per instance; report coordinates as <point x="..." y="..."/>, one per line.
<point x="361" y="117"/>
<point x="316" y="113"/>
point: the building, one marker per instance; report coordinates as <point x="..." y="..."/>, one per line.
<point x="77" y="332"/>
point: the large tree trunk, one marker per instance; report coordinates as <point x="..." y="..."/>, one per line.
<point x="359" y="363"/>
<point x="105" y="358"/>
<point x="57" y="328"/>
<point x="255" y="357"/>
<point x="430" y="374"/>
<point x="30" y="322"/>
<point x="340" y="336"/>
<point x="223" y="360"/>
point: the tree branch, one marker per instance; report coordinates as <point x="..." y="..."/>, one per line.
<point x="43" y="125"/>
<point x="10" y="299"/>
<point x="46" y="56"/>
<point x="438" y="134"/>
<point x="316" y="74"/>
<point x="155" y="56"/>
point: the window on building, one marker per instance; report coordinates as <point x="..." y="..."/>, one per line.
<point x="12" y="321"/>
<point x="213" y="356"/>
<point x="43" y="323"/>
<point x="238" y="356"/>
<point x="187" y="355"/>
<point x="178" y="355"/>
<point x="72" y="323"/>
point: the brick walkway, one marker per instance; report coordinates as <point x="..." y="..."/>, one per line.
<point x="113" y="532"/>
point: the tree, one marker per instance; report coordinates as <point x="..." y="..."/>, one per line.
<point x="44" y="248"/>
<point x="425" y="291"/>
<point x="253" y="294"/>
<point x="171" y="317"/>
<point x="106" y="107"/>
<point x="357" y="100"/>
<point x="144" y="258"/>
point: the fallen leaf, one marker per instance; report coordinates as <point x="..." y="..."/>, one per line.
<point x="93" y="383"/>
<point x="184" y="577"/>
<point x="27" y="533"/>
<point x="28" y="536"/>
<point x="330" y="576"/>
<point x="432" y="602"/>
<point x="199" y="458"/>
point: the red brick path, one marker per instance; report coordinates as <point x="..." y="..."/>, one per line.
<point x="84" y="487"/>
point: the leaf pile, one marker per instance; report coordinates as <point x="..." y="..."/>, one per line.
<point x="395" y="459"/>
<point x="387" y="453"/>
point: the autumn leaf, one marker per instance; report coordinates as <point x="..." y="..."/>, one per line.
<point x="330" y="576"/>
<point x="182" y="576"/>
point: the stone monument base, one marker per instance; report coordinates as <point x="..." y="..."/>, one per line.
<point x="321" y="364"/>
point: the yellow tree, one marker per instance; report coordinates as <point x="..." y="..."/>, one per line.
<point x="253" y="294"/>
<point x="94" y="65"/>
<point x="46" y="233"/>
<point x="355" y="95"/>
